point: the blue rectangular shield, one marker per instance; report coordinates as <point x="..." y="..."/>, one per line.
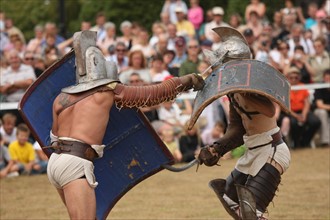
<point x="133" y="149"/>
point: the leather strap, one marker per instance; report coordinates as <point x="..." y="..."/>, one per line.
<point x="277" y="140"/>
<point x="75" y="148"/>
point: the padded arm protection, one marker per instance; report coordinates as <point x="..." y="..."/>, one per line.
<point x="234" y="135"/>
<point x="145" y="96"/>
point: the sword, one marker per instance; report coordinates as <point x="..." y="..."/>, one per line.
<point x="206" y="73"/>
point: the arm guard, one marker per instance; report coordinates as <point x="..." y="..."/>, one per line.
<point x="145" y="96"/>
<point x="234" y="135"/>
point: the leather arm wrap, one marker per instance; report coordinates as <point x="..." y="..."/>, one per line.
<point x="234" y="135"/>
<point x="146" y="96"/>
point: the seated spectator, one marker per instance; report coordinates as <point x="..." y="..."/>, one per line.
<point x="7" y="166"/>
<point x="217" y="21"/>
<point x="16" y="79"/>
<point x="143" y="44"/>
<point x="157" y="72"/>
<point x="136" y="63"/>
<point x="296" y="38"/>
<point x="257" y="6"/>
<point x="23" y="154"/>
<point x="235" y="20"/>
<point x="322" y="111"/>
<point x="170" y="6"/>
<point x="41" y="157"/>
<point x="127" y="35"/>
<point x="300" y="60"/>
<point x="320" y="61"/>
<point x="51" y="29"/>
<point x="109" y="38"/>
<point x="190" y="64"/>
<point x="195" y="14"/>
<point x="157" y="29"/>
<point x="167" y="134"/>
<point x="180" y="53"/>
<point x="303" y="122"/>
<point x="34" y="44"/>
<point x="254" y="23"/>
<point x="171" y="113"/>
<point x="168" y="57"/>
<point x="210" y="136"/>
<point x="119" y="57"/>
<point x="184" y="27"/>
<point x="280" y="56"/>
<point x="190" y="143"/>
<point x="8" y="128"/>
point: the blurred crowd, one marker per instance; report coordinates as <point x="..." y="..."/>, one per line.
<point x="294" y="41"/>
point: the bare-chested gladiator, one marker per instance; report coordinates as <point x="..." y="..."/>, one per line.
<point x="80" y="117"/>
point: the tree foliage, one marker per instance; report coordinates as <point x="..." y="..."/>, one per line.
<point x="28" y="13"/>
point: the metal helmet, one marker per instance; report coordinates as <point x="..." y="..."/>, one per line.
<point x="233" y="46"/>
<point x="92" y="70"/>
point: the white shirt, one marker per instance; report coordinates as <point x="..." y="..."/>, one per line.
<point x="9" y="76"/>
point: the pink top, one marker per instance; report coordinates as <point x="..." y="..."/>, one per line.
<point x="195" y="16"/>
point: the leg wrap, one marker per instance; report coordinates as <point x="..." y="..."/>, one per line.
<point x="143" y="96"/>
<point x="234" y="178"/>
<point x="264" y="185"/>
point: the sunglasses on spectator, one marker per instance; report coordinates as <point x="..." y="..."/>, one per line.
<point x="193" y="46"/>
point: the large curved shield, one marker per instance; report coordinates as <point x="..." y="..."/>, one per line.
<point x="243" y="76"/>
<point x="133" y="149"/>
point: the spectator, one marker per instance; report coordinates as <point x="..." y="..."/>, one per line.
<point x="3" y="35"/>
<point x="108" y="39"/>
<point x="262" y="54"/>
<point x="34" y="44"/>
<point x="289" y="9"/>
<point x="320" y="61"/>
<point x="280" y="56"/>
<point x="311" y="12"/>
<point x="168" y="57"/>
<point x="320" y="29"/>
<point x="7" y="166"/>
<point x="157" y="73"/>
<point x="277" y="24"/>
<point x="16" y="79"/>
<point x="170" y="6"/>
<point x="165" y="19"/>
<point x="28" y="58"/>
<point x="11" y="28"/>
<point x="235" y="20"/>
<point x="217" y="21"/>
<point x="39" y="65"/>
<point x="195" y="14"/>
<point x="136" y="63"/>
<point x="296" y="38"/>
<point x="172" y="36"/>
<point x="257" y="6"/>
<point x="23" y="154"/>
<point x="161" y="46"/>
<point x="190" y="143"/>
<point x="254" y="23"/>
<point x="51" y="29"/>
<point x="13" y="37"/>
<point x="322" y="111"/>
<point x="288" y="23"/>
<point x="41" y="157"/>
<point x="300" y="61"/>
<point x="85" y="25"/>
<point x="210" y="136"/>
<point x="99" y="25"/>
<point x="251" y="40"/>
<point x="119" y="57"/>
<point x="171" y="113"/>
<point x="190" y="64"/>
<point x="127" y="36"/>
<point x="303" y="122"/>
<point x="208" y="18"/>
<point x="157" y="30"/>
<point x="166" y="133"/>
<point x="180" y="53"/>
<point x="8" y="129"/>
<point x="143" y="44"/>
<point x="184" y="27"/>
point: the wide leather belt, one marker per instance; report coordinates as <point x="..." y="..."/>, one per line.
<point x="75" y="148"/>
<point x="277" y="140"/>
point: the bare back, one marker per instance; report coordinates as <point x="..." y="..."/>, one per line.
<point x="264" y="121"/>
<point x="85" y="120"/>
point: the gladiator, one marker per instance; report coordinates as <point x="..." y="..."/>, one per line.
<point x="80" y="117"/>
<point x="251" y="186"/>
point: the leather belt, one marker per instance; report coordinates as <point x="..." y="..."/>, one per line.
<point x="277" y="140"/>
<point x="75" y="148"/>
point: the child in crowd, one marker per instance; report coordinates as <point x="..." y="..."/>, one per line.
<point x="8" y="129"/>
<point x="212" y="135"/>
<point x="23" y="154"/>
<point x="166" y="132"/>
<point x="7" y="166"/>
